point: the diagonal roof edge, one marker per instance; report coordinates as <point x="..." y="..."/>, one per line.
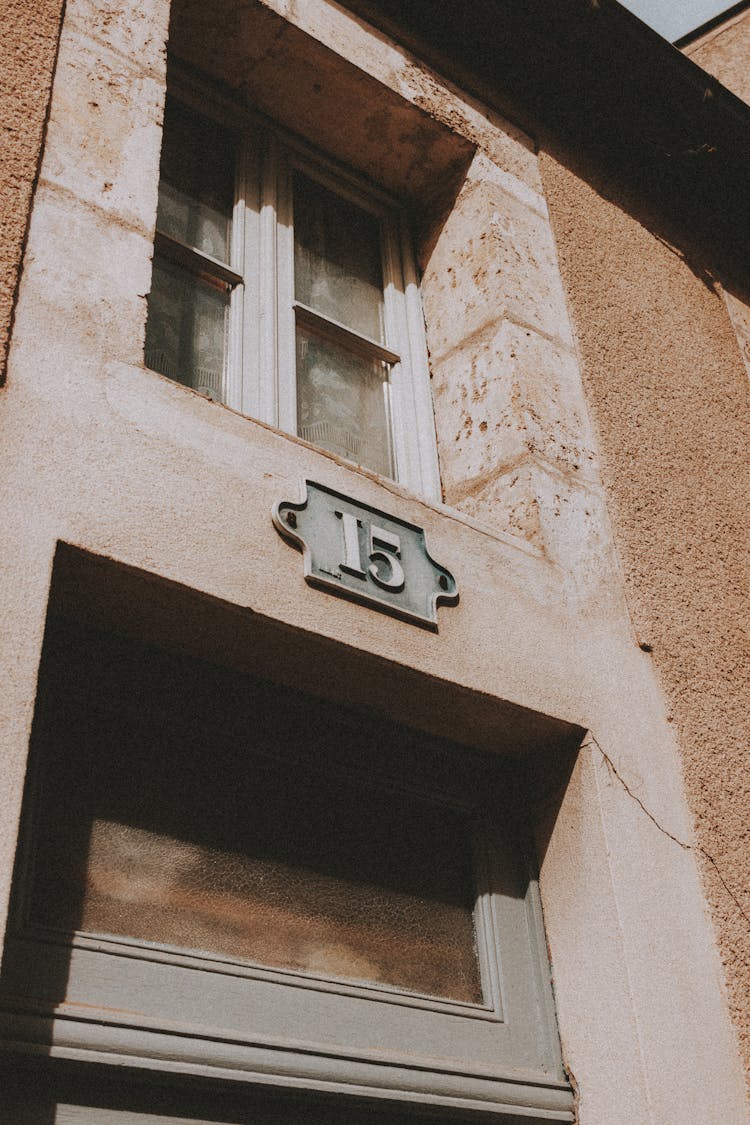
<point x="588" y="74"/>
<point x="714" y="24"/>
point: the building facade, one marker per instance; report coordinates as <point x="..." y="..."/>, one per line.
<point x="411" y="293"/>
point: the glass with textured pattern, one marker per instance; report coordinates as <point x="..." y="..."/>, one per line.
<point x="223" y="821"/>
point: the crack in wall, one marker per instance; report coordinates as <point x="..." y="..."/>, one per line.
<point x="697" y="848"/>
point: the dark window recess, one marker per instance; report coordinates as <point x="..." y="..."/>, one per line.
<point x="186" y="805"/>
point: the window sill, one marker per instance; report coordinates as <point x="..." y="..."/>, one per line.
<point x="120" y="1039"/>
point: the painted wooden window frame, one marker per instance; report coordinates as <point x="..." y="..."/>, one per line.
<point x="260" y="378"/>
<point x="140" y="1004"/>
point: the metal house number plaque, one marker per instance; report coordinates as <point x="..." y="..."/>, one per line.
<point x="359" y="552"/>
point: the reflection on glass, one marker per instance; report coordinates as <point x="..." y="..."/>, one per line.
<point x="196" y="189"/>
<point x="337" y="263"/>
<point x="173" y="812"/>
<point x="186" y="330"/>
<point x="342" y="402"/>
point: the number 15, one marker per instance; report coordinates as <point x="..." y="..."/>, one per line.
<point x="384" y="548"/>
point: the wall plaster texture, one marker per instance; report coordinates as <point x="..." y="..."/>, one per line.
<point x="123" y="463"/>
<point x="671" y="404"/>
<point x="28" y="44"/>
<point x="724" y="52"/>
<point x="738" y="305"/>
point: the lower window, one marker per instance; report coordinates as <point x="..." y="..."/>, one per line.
<point x="224" y="877"/>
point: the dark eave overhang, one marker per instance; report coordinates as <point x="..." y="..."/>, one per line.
<point x="594" y="80"/>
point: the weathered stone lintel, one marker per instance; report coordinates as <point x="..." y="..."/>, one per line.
<point x="565" y="518"/>
<point x="507" y="393"/>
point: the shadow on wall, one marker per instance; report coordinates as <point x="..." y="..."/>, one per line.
<point x="250" y="51"/>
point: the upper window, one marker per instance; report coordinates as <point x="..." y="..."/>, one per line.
<point x="284" y="288"/>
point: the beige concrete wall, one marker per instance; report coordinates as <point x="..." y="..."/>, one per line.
<point x="671" y="404"/>
<point x="106" y="455"/>
<point x="28" y="44"/>
<point x="725" y="53"/>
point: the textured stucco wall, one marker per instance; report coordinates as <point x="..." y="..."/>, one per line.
<point x="738" y="304"/>
<point x="725" y="53"/>
<point x="670" y="398"/>
<point x="28" y="42"/>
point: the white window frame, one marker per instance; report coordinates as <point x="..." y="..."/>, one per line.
<point x="260" y="377"/>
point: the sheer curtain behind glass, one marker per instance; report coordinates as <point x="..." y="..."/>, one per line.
<point x="342" y="391"/>
<point x="187" y="328"/>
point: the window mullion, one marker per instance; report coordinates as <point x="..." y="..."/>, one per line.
<point x="401" y="423"/>
<point x="235" y="358"/>
<point x="413" y="421"/>
<point x="286" y="332"/>
<point x="246" y="361"/>
<point x="423" y="442"/>
<point x="267" y="268"/>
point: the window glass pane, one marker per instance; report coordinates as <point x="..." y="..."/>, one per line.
<point x="337" y="262"/>
<point x="196" y="189"/>
<point x="190" y="806"/>
<point x="342" y="402"/>
<point x="186" y="330"/>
